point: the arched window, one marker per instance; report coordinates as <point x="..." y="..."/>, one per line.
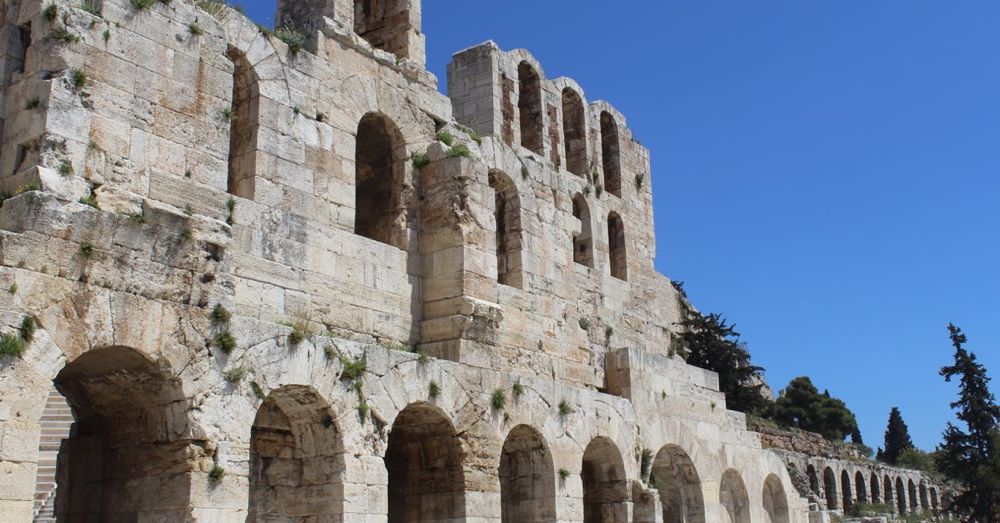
<point x="924" y="502"/>
<point x="775" y="500"/>
<point x="583" y="241"/>
<point x="529" y="107"/>
<point x="527" y="478"/>
<point x="385" y="24"/>
<point x="379" y="170"/>
<point x="611" y="154"/>
<point x="914" y="500"/>
<point x="845" y="489"/>
<point x="887" y="488"/>
<point x="830" y="488"/>
<point x="900" y="496"/>
<point x="574" y="132"/>
<point x="813" y="479"/>
<point x="733" y="497"/>
<point x="508" y="235"/>
<point x="605" y="489"/>
<point x="424" y="462"/>
<point x="876" y="490"/>
<point x="243" y="126"/>
<point x="129" y="444"/>
<point x="616" y="247"/>
<point x="676" y="478"/>
<point x="296" y="458"/>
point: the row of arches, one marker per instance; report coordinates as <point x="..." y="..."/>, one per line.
<point x="127" y="455"/>
<point x="380" y="171"/>
<point x="841" y="492"/>
<point x="574" y="129"/>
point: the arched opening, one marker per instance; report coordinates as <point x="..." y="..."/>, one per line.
<point x="385" y="24"/>
<point x="611" y="154"/>
<point x="912" y="495"/>
<point x="424" y="462"/>
<point x="924" y="502"/>
<point x="379" y="170"/>
<point x="887" y="489"/>
<point x="845" y="489"/>
<point x="861" y="487"/>
<point x="508" y="235"/>
<point x="296" y="459"/>
<point x="900" y="496"/>
<point x="529" y="107"/>
<point x="605" y="489"/>
<point x="813" y="480"/>
<point x="830" y="489"/>
<point x="616" y="247"/>
<point x="733" y="497"/>
<point x="674" y="475"/>
<point x="583" y="241"/>
<point x="574" y="132"/>
<point x="876" y="491"/>
<point x="527" y="478"/>
<point x="934" y="499"/>
<point x="775" y="501"/>
<point x="17" y="52"/>
<point x="244" y="115"/>
<point x="128" y="456"/>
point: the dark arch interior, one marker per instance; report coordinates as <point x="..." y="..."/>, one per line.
<point x="845" y="489"/>
<point x="583" y="241"/>
<point x="605" y="488"/>
<point x="385" y="24"/>
<point x="830" y="488"/>
<point x="529" y="106"/>
<point x="527" y="478"/>
<point x="775" y="501"/>
<point x="574" y="132"/>
<point x="616" y="247"/>
<point x="675" y="477"/>
<point x="424" y="462"/>
<point x="508" y="225"/>
<point x="379" y="172"/>
<point x="243" y="127"/>
<point x="128" y="455"/>
<point x="611" y="154"/>
<point x="861" y="487"/>
<point x="900" y="496"/>
<point x="813" y="479"/>
<point x="296" y="459"/>
<point x="733" y="497"/>
<point x="912" y="494"/>
<point x="876" y="491"/>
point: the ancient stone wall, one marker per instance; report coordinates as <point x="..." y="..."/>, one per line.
<point x="302" y="284"/>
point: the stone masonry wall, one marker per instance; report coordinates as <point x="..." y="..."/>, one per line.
<point x="267" y="282"/>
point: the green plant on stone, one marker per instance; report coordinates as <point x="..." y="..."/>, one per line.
<point x="499" y="400"/>
<point x="143" y="4"/>
<point x="420" y="160"/>
<point x="78" y="78"/>
<point x="564" y="408"/>
<point x="609" y="331"/>
<point x="294" y="38"/>
<point x="90" y="201"/>
<point x="353" y="369"/>
<point x="11" y="345"/>
<point x="645" y="463"/>
<point x="50" y="12"/>
<point x="220" y="315"/>
<point x="216" y="474"/>
<point x="235" y="374"/>
<point x="28" y="327"/>
<point x="434" y="390"/>
<point x="257" y="391"/>
<point x="227" y="114"/>
<point x="65" y="36"/>
<point x="445" y="137"/>
<point x="106" y="35"/>
<point x="195" y="29"/>
<point x="12" y="289"/>
<point x="584" y="323"/>
<point x="66" y="168"/>
<point x="563" y="474"/>
<point x="91" y="7"/>
<point x="225" y="342"/>
<point x="33" y="103"/>
<point x="86" y="250"/>
<point x="518" y="389"/>
<point x="185" y="236"/>
<point x="363" y="410"/>
<point x="459" y="150"/>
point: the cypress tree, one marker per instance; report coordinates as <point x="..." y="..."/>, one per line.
<point x="897" y="438"/>
<point x="971" y="457"/>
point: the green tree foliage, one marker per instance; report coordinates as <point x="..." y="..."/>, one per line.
<point x="916" y="459"/>
<point x="971" y="457"/>
<point x="897" y="438"/>
<point x="711" y="343"/>
<point x="802" y="406"/>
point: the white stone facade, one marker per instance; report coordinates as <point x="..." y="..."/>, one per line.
<point x="212" y="230"/>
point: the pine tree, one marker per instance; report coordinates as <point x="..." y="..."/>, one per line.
<point x="801" y="405"/>
<point x="972" y="456"/>
<point x="711" y="343"/>
<point x="897" y="438"/>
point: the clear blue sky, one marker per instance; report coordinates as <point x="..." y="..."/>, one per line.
<point x="825" y="173"/>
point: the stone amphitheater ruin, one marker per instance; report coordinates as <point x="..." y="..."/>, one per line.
<point x="266" y="290"/>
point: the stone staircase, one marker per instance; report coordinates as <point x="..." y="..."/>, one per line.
<point x="56" y="422"/>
